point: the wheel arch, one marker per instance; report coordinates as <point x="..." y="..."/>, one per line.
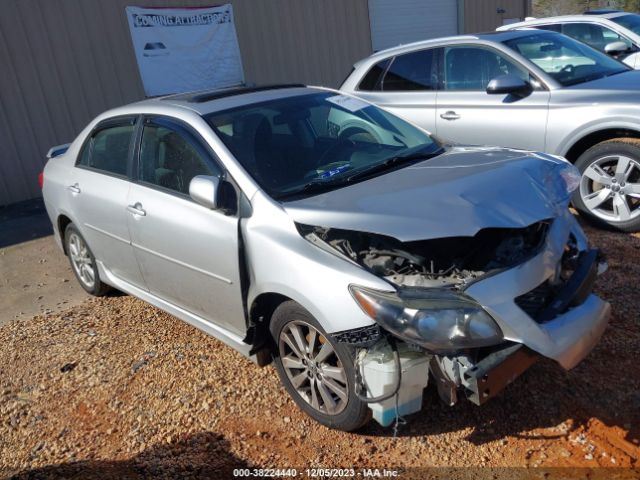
<point x="63" y="222"/>
<point x="260" y="313"/>
<point x="594" y="138"/>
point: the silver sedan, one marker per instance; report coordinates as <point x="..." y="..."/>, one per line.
<point x="311" y="228"/>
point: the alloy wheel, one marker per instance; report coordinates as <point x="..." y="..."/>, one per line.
<point x="313" y="367"/>
<point x="610" y="188"/>
<point x="81" y="260"/>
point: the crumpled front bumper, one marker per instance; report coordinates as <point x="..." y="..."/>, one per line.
<point x="566" y="336"/>
<point x="575" y="334"/>
<point x="572" y="335"/>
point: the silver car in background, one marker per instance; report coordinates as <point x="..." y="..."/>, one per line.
<point x="526" y="89"/>
<point x="315" y="229"/>
<point x="613" y="32"/>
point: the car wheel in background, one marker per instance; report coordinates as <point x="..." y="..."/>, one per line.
<point x="83" y="263"/>
<point x="317" y="372"/>
<point x="609" y="192"/>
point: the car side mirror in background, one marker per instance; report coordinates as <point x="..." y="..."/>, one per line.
<point x="509" y="85"/>
<point x="616" y="48"/>
<point x="204" y="190"/>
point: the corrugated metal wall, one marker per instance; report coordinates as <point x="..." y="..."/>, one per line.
<point x="406" y="21"/>
<point x="65" y="61"/>
<point x="484" y="15"/>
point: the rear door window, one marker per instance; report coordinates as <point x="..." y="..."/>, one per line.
<point x="551" y="28"/>
<point x="107" y="150"/>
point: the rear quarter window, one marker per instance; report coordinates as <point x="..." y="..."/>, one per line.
<point x="371" y="81"/>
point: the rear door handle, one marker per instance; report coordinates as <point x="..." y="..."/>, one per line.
<point x="136" y="209"/>
<point x="450" y="115"/>
<point x="75" y="188"/>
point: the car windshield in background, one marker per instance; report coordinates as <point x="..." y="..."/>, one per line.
<point x="306" y="144"/>
<point x="566" y="60"/>
<point x="630" y="22"/>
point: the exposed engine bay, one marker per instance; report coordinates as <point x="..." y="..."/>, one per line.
<point x="453" y="261"/>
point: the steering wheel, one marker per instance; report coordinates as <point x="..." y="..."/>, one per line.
<point x="567" y="69"/>
<point x="342" y="143"/>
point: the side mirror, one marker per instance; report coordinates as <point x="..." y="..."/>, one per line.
<point x="509" y="85"/>
<point x="204" y="190"/>
<point x="615" y="48"/>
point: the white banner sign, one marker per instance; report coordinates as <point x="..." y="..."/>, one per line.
<point x="181" y="50"/>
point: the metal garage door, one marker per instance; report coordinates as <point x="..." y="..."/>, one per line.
<point x="405" y="21"/>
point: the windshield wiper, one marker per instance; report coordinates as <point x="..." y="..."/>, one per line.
<point x="314" y="186"/>
<point x="393" y="162"/>
<point x="318" y="186"/>
<point x="597" y="76"/>
<point x="618" y="72"/>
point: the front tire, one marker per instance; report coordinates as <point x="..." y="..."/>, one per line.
<point x="83" y="263"/>
<point x="609" y="192"/>
<point x="317" y="372"/>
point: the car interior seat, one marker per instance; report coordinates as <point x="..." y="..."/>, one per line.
<point x="266" y="166"/>
<point x="169" y="171"/>
<point x="245" y="129"/>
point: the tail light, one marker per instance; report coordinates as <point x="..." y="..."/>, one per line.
<point x="41" y="180"/>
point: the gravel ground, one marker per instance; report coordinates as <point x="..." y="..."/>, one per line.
<point x="114" y="388"/>
<point x="35" y="279"/>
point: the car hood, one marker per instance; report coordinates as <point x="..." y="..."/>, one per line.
<point x="457" y="193"/>
<point x="627" y="81"/>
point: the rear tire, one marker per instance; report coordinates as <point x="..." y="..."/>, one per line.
<point x="609" y="192"/>
<point x="83" y="263"/>
<point x="317" y="372"/>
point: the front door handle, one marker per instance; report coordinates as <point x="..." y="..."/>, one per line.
<point x="75" y="188"/>
<point x="450" y="115"/>
<point x="136" y="209"/>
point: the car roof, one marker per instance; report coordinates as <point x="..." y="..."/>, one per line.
<point x="602" y="11"/>
<point x="408" y="47"/>
<point x="587" y="17"/>
<point x="205" y="102"/>
<point x="614" y="14"/>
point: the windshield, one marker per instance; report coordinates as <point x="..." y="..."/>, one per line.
<point x="316" y="142"/>
<point x="568" y="61"/>
<point x="630" y="22"/>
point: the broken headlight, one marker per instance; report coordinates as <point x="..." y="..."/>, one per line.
<point x="437" y="320"/>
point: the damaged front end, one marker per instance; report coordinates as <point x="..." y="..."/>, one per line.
<point x="440" y="262"/>
<point x="428" y="306"/>
<point x="431" y="322"/>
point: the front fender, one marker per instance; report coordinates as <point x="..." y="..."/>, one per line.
<point x="281" y="261"/>
<point x="593" y="114"/>
<point x="564" y="145"/>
